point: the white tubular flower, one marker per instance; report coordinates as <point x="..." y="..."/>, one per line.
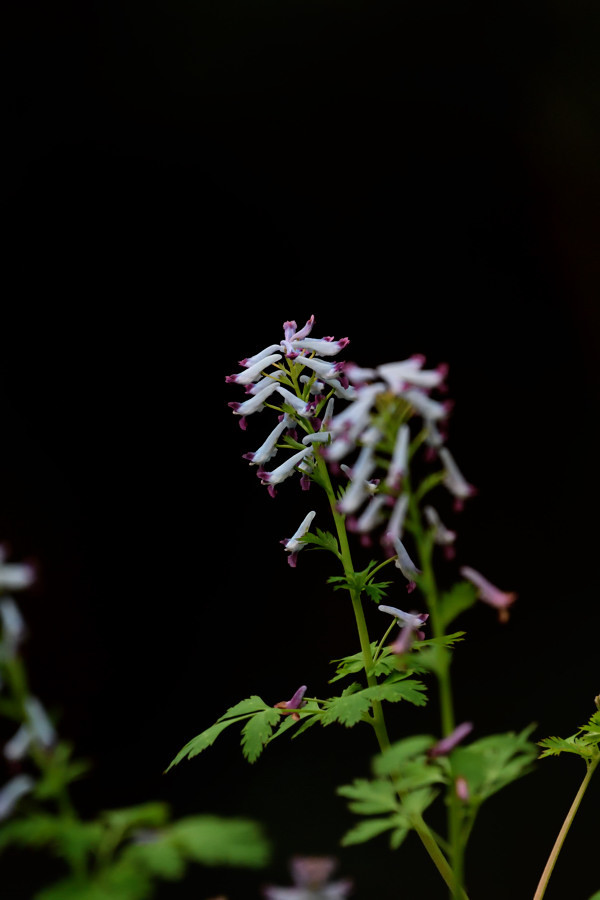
<point x="16" y="748"/>
<point x="441" y="535"/>
<point x="328" y="414"/>
<point x="358" y="375"/>
<point x="358" y="490"/>
<point x="405" y="564"/>
<point x="432" y="410"/>
<point x="320" y="367"/>
<point x="317" y="387"/>
<point x="370" y="517"/>
<point x="13" y="627"/>
<point x="294" y="544"/>
<point x="296" y="403"/>
<point x="254" y="403"/>
<point x="322" y="346"/>
<point x="399" y="460"/>
<point x="454" y="480"/>
<point x="319" y="437"/>
<point x="400" y="375"/>
<point x="260" y="385"/>
<point x="39" y="722"/>
<point x="12" y="792"/>
<point x="395" y="526"/>
<point x="352" y="422"/>
<point x="414" y="621"/>
<point x="252" y="372"/>
<point x="262" y="354"/>
<point x="283" y="471"/>
<point x="268" y="449"/>
<point x="15" y="576"/>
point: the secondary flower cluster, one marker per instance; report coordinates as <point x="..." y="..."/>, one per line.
<point x="36" y="729"/>
<point x="311" y="876"/>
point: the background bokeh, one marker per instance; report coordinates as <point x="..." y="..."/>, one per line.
<point x="181" y="178"/>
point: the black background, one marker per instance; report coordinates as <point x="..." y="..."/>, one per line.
<point x="180" y="179"/>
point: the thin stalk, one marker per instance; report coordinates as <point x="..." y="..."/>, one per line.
<point x="549" y="867"/>
<point x="379" y="726"/>
<point x="428" y="584"/>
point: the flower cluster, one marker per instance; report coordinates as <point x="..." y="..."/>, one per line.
<point x="311" y="876"/>
<point x="36" y="731"/>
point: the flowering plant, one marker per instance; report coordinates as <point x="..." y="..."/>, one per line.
<point x="374" y="441"/>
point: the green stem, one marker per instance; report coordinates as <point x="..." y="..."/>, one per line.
<point x="428" y="584"/>
<point x="543" y="883"/>
<point x="425" y="835"/>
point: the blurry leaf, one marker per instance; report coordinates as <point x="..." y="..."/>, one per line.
<point x="217" y="841"/>
<point x="491" y="763"/>
<point x="257" y="731"/>
<point x="146" y="815"/>
<point x="60" y="772"/>
<point x="366" y="830"/>
<point x="62" y="836"/>
<point x="396" y="757"/>
<point x="158" y="858"/>
<point x="596" y="896"/>
<point x="452" y="603"/>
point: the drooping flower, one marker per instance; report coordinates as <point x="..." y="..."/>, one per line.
<point x="13" y="628"/>
<point x="284" y="470"/>
<point x="406" y="565"/>
<point x="489" y="593"/>
<point x="311" y="876"/>
<point x="268" y="449"/>
<point x="442" y="536"/>
<point x="12" y="791"/>
<point x="252" y="372"/>
<point x="295" y="703"/>
<point x="447" y="744"/>
<point x="395" y="525"/>
<point x="399" y="459"/>
<point x="358" y="490"/>
<point x="454" y="480"/>
<point x="414" y="621"/>
<point x="294" y="544"/>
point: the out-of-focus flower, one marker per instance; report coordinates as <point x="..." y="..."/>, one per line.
<point x="295" y="703"/>
<point x="37" y="729"/>
<point x="442" y="536"/>
<point x="311" y="876"/>
<point x="14" y="576"/>
<point x="489" y="593"/>
<point x="12" y="792"/>
<point x="447" y="744"/>
<point x="406" y="565"/>
<point x="414" y="621"/>
<point x="294" y="544"/>
<point x="461" y="786"/>
<point x="454" y="480"/>
<point x="13" y="628"/>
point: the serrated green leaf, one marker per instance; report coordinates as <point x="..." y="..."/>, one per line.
<point x="370" y="796"/>
<point x="202" y="741"/>
<point x="396" y="757"/>
<point x="366" y="830"/>
<point x="399" y="688"/>
<point x="252" y="704"/>
<point x="377" y="590"/>
<point x="554" y="746"/>
<point x="257" y="731"/>
<point x="324" y="539"/>
<point x="348" y="710"/>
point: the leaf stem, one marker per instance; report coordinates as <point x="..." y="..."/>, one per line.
<point x="549" y="867"/>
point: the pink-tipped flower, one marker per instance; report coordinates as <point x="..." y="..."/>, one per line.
<point x="454" y="480"/>
<point x="442" y="536"/>
<point x="406" y="565"/>
<point x="413" y="621"/>
<point x="461" y="786"/>
<point x="295" y="703"/>
<point x="254" y="403"/>
<point x="323" y="346"/>
<point x="358" y="490"/>
<point x="395" y="525"/>
<point x="283" y="471"/>
<point x="489" y="593"/>
<point x="294" y="544"/>
<point x="268" y="449"/>
<point x="262" y="354"/>
<point x="447" y="744"/>
<point x="252" y="372"/>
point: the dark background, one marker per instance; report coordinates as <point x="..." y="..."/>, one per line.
<point x="180" y="179"/>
